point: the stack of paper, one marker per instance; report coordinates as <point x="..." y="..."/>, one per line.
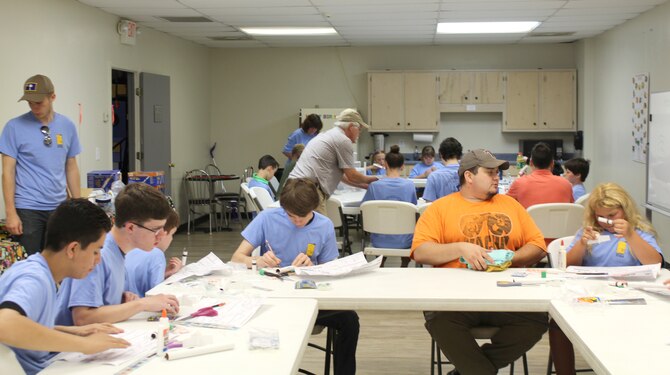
<point x="203" y="267"/>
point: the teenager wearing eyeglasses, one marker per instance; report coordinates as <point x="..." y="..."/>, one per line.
<point x="101" y="297"/>
<point x="38" y="162"/>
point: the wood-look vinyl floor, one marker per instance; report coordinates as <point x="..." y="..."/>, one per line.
<point x="390" y="342"/>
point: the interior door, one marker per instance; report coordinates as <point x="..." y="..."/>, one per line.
<point x="156" y="153"/>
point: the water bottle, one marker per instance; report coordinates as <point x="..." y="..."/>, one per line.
<point x="520" y="161"/>
<point x="104" y="201"/>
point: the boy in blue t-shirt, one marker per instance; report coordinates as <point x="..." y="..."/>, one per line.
<point x="141" y="212"/>
<point x="296" y="235"/>
<point x="28" y="290"/>
<point x="576" y="171"/>
<point x="145" y="270"/>
<point x="267" y="167"/>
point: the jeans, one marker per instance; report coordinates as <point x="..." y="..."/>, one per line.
<point x="34" y="229"/>
<point x="346" y="328"/>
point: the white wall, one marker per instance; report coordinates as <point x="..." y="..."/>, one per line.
<point x="607" y="64"/>
<point x="256" y="93"/>
<point x="77" y="46"/>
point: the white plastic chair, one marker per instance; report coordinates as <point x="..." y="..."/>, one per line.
<point x="583" y="199"/>
<point x="334" y="211"/>
<point x="250" y="205"/>
<point x="557" y="219"/>
<point x="263" y="199"/>
<point x="554" y="246"/>
<point x="8" y="362"/>
<point x="423" y="206"/>
<point x="388" y="217"/>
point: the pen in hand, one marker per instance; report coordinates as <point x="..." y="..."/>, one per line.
<point x="270" y="256"/>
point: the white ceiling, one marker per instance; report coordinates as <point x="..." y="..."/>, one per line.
<point x="374" y="22"/>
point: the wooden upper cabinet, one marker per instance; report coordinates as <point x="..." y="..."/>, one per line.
<point x="386" y="101"/>
<point x="557" y="100"/>
<point x="421" y="112"/>
<point x="402" y="102"/>
<point x="540" y="101"/>
<point x="521" y="101"/>
<point x="464" y="91"/>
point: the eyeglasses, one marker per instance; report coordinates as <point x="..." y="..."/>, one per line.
<point x="156" y="232"/>
<point x="47" y="136"/>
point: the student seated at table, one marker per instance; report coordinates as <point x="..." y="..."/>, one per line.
<point x="467" y="224"/>
<point x="267" y="167"/>
<point x="376" y="168"/>
<point x="146" y="269"/>
<point x="427" y="165"/>
<point x="576" y="171"/>
<point x="541" y="186"/>
<point x="141" y="212"/>
<point x="296" y="235"/>
<point x="296" y="152"/>
<point x="445" y="181"/>
<point x="394" y="188"/>
<point x="28" y="289"/>
<point x="611" y="212"/>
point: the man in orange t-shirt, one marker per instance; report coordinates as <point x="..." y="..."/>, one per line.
<point x="467" y="224"/>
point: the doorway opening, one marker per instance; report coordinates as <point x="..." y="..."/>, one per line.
<point x="123" y="121"/>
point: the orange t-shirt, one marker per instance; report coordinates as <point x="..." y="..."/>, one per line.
<point x="541" y="187"/>
<point x="499" y="223"/>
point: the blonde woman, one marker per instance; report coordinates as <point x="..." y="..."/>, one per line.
<point x="630" y="241"/>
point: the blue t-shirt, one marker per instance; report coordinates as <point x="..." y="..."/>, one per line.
<point x="298" y="136"/>
<point x="441" y="183"/>
<point x="40" y="169"/>
<point x="287" y="240"/>
<point x="420" y="168"/>
<point x="103" y="286"/>
<point x="577" y="191"/>
<point x="253" y="182"/>
<point x="613" y="253"/>
<point x="392" y="189"/>
<point x="30" y="284"/>
<point x="144" y="270"/>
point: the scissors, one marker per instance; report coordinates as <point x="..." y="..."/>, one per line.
<point x="205" y="311"/>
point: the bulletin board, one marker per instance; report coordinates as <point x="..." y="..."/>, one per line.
<point x="640" y="107"/>
<point x="658" y="164"/>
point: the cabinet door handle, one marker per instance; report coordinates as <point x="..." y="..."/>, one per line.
<point x="545" y="123"/>
<point x="534" y="124"/>
<point x="408" y="124"/>
<point x="466" y="98"/>
<point x="476" y="98"/>
<point x="398" y="124"/>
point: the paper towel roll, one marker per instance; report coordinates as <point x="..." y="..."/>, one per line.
<point x="192" y="352"/>
<point x="422" y="137"/>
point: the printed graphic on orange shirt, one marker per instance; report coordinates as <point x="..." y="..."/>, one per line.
<point x="489" y="230"/>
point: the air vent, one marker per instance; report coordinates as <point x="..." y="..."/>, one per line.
<point x="558" y="33"/>
<point x="186" y="19"/>
<point x="229" y="38"/>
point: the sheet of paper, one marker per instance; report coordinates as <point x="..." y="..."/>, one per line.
<point x="204" y="266"/>
<point x="648" y="272"/>
<point x="355" y="263"/>
<point x="142" y="345"/>
<point x="233" y="315"/>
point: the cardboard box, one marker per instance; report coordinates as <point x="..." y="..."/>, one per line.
<point x="151" y="178"/>
<point x="102" y="179"/>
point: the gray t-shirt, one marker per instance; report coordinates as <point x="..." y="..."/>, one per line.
<point x="324" y="158"/>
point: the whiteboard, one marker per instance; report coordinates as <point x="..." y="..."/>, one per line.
<point x="658" y="165"/>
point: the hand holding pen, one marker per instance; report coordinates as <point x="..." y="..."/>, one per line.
<point x="269" y="258"/>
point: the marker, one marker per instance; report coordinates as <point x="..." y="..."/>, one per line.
<point x="605" y="220"/>
<point x="184" y="255"/>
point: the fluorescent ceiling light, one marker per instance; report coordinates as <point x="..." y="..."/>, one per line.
<point x="485" y="27"/>
<point x="289" y="30"/>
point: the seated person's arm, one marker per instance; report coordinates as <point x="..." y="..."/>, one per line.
<point x="641" y="249"/>
<point x="436" y="254"/>
<point x="527" y="255"/>
<point x="18" y="331"/>
<point x="83" y="315"/>
<point x="575" y="256"/>
<point x="243" y="255"/>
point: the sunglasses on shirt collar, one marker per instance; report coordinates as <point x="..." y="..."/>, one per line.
<point x="47" y="137"/>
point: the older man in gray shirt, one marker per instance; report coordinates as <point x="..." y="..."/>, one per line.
<point x="329" y="158"/>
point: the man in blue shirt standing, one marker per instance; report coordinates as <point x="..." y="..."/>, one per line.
<point x="38" y="161"/>
<point x="28" y="290"/>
